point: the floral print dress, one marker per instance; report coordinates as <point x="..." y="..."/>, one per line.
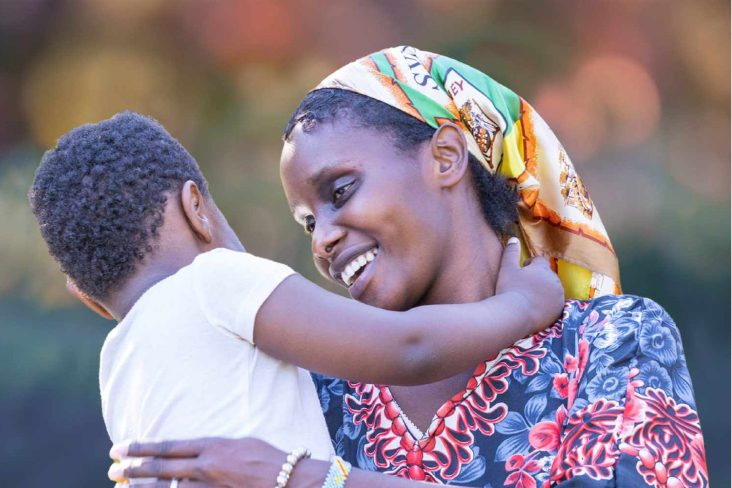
<point x="601" y="398"/>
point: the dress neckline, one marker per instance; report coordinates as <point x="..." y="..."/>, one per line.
<point x="445" y="410"/>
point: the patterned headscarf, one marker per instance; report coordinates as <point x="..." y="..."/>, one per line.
<point x="557" y="218"/>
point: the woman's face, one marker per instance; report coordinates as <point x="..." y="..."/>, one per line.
<point x="377" y="224"/>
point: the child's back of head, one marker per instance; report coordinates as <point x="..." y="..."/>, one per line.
<point x="100" y="195"/>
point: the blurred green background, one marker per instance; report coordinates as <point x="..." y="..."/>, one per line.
<point x="639" y="93"/>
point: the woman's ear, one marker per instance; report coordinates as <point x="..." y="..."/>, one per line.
<point x="196" y="210"/>
<point x="450" y="154"/>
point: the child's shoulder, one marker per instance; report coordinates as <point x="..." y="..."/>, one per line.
<point x="221" y="262"/>
<point x="232" y="259"/>
<point x="221" y="254"/>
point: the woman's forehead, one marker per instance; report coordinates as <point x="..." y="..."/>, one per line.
<point x="330" y="147"/>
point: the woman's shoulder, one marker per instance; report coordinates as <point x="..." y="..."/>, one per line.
<point x="626" y="333"/>
<point x="624" y="360"/>
<point x="624" y="327"/>
<point x="589" y="317"/>
<point x="614" y="304"/>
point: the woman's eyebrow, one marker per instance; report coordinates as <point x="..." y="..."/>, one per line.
<point x="325" y="172"/>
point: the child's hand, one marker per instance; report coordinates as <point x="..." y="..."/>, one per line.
<point x="540" y="293"/>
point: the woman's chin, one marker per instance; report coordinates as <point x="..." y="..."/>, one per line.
<point x="373" y="288"/>
<point x="386" y="301"/>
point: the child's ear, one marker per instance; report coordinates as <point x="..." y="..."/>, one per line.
<point x="196" y="211"/>
<point x="90" y="303"/>
<point x="449" y="151"/>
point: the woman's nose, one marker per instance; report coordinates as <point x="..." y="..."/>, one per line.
<point x="326" y="239"/>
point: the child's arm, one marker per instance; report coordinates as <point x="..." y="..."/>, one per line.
<point x="305" y="325"/>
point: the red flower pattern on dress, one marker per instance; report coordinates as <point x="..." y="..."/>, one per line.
<point x="521" y="470"/>
<point x="589" y="445"/>
<point x="446" y="446"/>
<point x="634" y="407"/>
<point x="667" y="441"/>
<point x="545" y="435"/>
<point x="561" y="384"/>
<point x="570" y="363"/>
<point x="582" y="356"/>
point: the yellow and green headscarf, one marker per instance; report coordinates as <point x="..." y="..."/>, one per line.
<point x="557" y="218"/>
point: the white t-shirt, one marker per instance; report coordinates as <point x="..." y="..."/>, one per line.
<point x="183" y="362"/>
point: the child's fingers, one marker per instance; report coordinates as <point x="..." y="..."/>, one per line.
<point x="511" y="253"/>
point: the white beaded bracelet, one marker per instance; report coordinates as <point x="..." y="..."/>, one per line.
<point x="293" y="458"/>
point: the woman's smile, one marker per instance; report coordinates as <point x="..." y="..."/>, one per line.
<point x="363" y="276"/>
<point x="350" y="263"/>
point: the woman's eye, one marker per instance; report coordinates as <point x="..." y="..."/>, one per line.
<point x="339" y="192"/>
<point x="309" y="224"/>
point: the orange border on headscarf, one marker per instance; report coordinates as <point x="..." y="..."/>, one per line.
<point x="541" y="211"/>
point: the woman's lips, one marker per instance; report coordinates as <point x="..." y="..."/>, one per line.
<point x="346" y="262"/>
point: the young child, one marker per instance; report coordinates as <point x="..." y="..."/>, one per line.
<point x="208" y="335"/>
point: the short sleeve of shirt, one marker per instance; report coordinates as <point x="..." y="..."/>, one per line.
<point x="231" y="286"/>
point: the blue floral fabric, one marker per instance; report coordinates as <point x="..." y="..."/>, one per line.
<point x="601" y="398"/>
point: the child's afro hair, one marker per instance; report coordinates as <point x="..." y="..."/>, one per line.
<point x="99" y="197"/>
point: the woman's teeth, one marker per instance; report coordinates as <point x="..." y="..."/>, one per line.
<point x="357" y="264"/>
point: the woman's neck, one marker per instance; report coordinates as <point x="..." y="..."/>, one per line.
<point x="470" y="268"/>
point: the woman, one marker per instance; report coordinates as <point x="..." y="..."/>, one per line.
<point x="398" y="151"/>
